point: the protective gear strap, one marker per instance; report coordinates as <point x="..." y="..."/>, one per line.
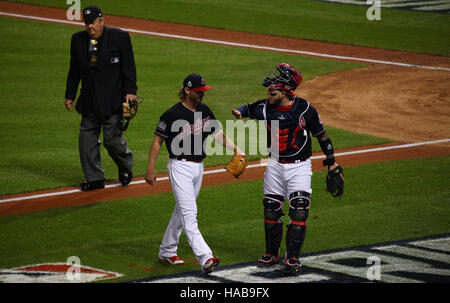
<point x="270" y="221"/>
<point x="301" y="223"/>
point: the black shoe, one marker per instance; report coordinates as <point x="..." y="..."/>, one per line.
<point x="267" y="260"/>
<point x="293" y="265"/>
<point x="125" y="178"/>
<point x="87" y="186"/>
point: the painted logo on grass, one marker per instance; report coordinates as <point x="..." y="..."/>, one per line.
<point x="55" y="273"/>
<point x="424" y="260"/>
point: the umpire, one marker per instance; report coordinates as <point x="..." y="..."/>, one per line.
<point x="102" y="58"/>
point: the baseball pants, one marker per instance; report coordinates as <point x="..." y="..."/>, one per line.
<point x="186" y="180"/>
<point x="114" y="142"/>
<point x="284" y="179"/>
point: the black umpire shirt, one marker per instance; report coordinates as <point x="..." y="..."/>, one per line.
<point x="105" y="81"/>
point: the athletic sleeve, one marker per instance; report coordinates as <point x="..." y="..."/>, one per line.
<point x="315" y="124"/>
<point x="163" y="127"/>
<point x="254" y="110"/>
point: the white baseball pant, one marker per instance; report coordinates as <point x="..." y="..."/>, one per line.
<point x="186" y="180"/>
<point x="284" y="179"/>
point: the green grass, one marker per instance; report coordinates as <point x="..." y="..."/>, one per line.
<point x="315" y="20"/>
<point x="382" y="202"/>
<point x="40" y="138"/>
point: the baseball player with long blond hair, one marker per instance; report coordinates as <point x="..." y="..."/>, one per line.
<point x="184" y="128"/>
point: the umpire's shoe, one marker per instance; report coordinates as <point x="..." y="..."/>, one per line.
<point x="87" y="186"/>
<point x="125" y="178"/>
<point x="293" y="265"/>
<point x="210" y="265"/>
<point x="267" y="260"/>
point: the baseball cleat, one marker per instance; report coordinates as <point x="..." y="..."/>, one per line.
<point x="210" y="265"/>
<point x="267" y="260"/>
<point x="293" y="265"/>
<point x="172" y="260"/>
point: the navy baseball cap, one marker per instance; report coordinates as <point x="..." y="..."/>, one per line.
<point x="90" y="13"/>
<point x="196" y="82"/>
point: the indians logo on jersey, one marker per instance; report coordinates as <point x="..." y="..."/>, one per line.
<point x="302" y="122"/>
<point x="195" y="128"/>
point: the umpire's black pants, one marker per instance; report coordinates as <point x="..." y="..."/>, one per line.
<point x="115" y="143"/>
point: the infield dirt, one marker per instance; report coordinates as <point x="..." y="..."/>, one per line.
<point x="404" y="104"/>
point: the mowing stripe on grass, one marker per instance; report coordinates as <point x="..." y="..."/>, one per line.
<point x="215" y="171"/>
<point x="259" y="47"/>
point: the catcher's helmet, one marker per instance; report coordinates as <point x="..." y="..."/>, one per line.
<point x="285" y="78"/>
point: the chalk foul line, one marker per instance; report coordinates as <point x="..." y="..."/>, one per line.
<point x="262" y="163"/>
<point x="235" y="44"/>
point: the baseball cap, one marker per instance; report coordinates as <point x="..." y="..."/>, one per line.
<point x="90" y="13"/>
<point x="196" y="82"/>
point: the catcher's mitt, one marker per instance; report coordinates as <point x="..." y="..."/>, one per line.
<point x="129" y="110"/>
<point x="335" y="181"/>
<point x="237" y="165"/>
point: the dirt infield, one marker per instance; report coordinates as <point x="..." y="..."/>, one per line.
<point x="140" y="188"/>
<point x="400" y="103"/>
<point x="403" y="104"/>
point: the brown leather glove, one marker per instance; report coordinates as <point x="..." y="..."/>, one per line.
<point x="237" y="165"/>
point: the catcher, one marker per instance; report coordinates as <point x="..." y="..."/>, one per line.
<point x="290" y="120"/>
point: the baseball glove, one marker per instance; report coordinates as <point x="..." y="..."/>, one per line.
<point x="129" y="111"/>
<point x="335" y="181"/>
<point x="237" y="165"/>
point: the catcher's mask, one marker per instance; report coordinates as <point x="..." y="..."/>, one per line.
<point x="285" y="77"/>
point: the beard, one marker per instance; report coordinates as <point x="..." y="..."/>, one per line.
<point x="275" y="101"/>
<point x="196" y="100"/>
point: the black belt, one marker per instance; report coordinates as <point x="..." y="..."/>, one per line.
<point x="287" y="161"/>
<point x="186" y="159"/>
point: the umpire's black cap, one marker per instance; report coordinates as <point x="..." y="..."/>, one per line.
<point x="90" y="13"/>
<point x="196" y="82"/>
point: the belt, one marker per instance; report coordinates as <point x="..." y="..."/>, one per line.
<point x="185" y="159"/>
<point x="287" y="161"/>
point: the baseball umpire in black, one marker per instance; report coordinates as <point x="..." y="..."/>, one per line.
<point x="102" y="58"/>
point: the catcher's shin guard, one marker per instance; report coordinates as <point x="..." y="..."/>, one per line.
<point x="273" y="227"/>
<point x="295" y="237"/>
<point x="299" y="203"/>
<point x="274" y="234"/>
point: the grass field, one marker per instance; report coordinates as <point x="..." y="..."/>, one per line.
<point x="382" y="202"/>
<point x="40" y="146"/>
<point x="307" y="19"/>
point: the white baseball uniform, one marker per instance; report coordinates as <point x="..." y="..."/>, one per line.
<point x="184" y="132"/>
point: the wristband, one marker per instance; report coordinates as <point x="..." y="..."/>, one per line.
<point x="329" y="161"/>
